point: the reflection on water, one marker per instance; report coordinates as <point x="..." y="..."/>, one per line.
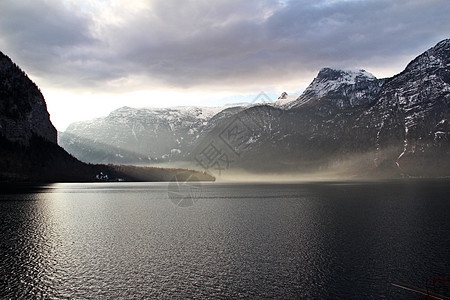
<point x="328" y="240"/>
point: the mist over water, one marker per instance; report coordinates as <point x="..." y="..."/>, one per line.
<point x="318" y="240"/>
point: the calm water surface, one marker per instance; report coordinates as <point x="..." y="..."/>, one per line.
<point x="311" y="241"/>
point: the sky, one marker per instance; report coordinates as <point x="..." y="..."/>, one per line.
<point x="90" y="57"/>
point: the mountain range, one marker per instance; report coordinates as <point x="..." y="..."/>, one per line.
<point x="347" y="122"/>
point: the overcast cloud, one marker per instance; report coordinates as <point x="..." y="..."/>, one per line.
<point x="126" y="45"/>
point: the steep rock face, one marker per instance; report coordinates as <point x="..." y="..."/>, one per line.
<point x="344" y="89"/>
<point x="23" y="109"/>
<point x="28" y="149"/>
<point x="411" y="112"/>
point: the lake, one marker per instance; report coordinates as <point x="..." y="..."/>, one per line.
<point x="333" y="240"/>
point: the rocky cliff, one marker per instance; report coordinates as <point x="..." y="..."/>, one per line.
<point x="23" y="109"/>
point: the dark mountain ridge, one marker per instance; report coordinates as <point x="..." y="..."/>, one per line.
<point x="23" y="109"/>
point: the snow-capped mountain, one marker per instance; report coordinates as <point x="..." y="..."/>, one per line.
<point x="343" y="88"/>
<point x="137" y="135"/>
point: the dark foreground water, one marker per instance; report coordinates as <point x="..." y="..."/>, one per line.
<point x="311" y="241"/>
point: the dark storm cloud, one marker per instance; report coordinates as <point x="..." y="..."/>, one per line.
<point x="229" y="43"/>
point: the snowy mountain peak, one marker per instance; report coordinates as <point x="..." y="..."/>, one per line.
<point x="330" y="79"/>
<point x="347" y="87"/>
